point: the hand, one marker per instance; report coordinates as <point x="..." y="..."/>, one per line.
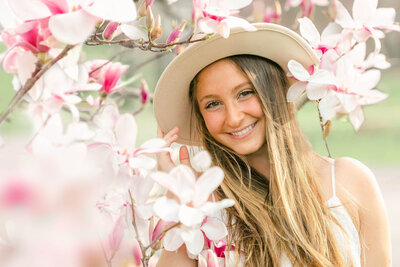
<point x="165" y="162"/>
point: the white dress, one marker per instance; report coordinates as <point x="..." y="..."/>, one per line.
<point x="349" y="242"/>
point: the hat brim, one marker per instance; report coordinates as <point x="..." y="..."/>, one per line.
<point x="172" y="106"/>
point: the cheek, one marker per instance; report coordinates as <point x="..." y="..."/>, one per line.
<point x="214" y="121"/>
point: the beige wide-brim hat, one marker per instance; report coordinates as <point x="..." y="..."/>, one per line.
<point x="171" y="97"/>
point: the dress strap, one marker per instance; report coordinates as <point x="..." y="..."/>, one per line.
<point x="333" y="177"/>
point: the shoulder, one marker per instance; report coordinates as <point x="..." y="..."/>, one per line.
<point x="357" y="179"/>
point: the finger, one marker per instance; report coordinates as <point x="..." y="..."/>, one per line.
<point x="172" y="132"/>
<point x="184" y="156"/>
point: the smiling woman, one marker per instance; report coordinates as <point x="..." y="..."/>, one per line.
<point x="293" y="207"/>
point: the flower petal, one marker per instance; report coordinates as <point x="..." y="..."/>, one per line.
<point x="126" y="131"/>
<point x="298" y="71"/>
<point x="167" y="209"/>
<point x="206" y="184"/>
<point x="194" y="240"/>
<point x="72" y="28"/>
<point x="214" y="229"/>
<point x="190" y="216"/>
<point x="29" y="9"/>
<point x="356" y="118"/>
<point x="117" y="10"/>
<point x="295" y="91"/>
<point x="343" y="17"/>
<point x="211" y="208"/>
<point x="316" y="91"/>
<point x="173" y="240"/>
<point x="309" y="31"/>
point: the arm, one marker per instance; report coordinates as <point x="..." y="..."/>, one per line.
<point x="360" y="182"/>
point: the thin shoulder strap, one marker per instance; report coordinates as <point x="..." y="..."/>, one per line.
<point x="333" y="177"/>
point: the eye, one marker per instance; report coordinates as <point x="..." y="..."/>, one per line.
<point x="212" y="104"/>
<point x="246" y="93"/>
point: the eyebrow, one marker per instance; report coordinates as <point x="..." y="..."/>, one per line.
<point x="235" y="89"/>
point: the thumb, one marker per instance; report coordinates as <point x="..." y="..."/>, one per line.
<point x="184" y="156"/>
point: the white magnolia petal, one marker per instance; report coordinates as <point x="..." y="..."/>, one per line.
<point x="167" y="209"/>
<point x="167" y="181"/>
<point x="117" y="10"/>
<point x="298" y="71"/>
<point x="316" y="91"/>
<point x="141" y="188"/>
<point x="185" y="180"/>
<point x="356" y="118"/>
<point x="72" y="28"/>
<point x="134" y="32"/>
<point x="211" y="208"/>
<point x="369" y="80"/>
<point x="194" y="241"/>
<point x="201" y="161"/>
<point x="144" y="211"/>
<point x="126" y="131"/>
<point x="327" y="106"/>
<point x="384" y="16"/>
<point x="295" y="91"/>
<point x="154" y="143"/>
<point x="343" y="17"/>
<point x="142" y="162"/>
<point x="309" y="31"/>
<point x="372" y="97"/>
<point x="173" y="240"/>
<point x="231" y="4"/>
<point x="214" y="229"/>
<point x="56" y="81"/>
<point x="207" y="25"/>
<point x="190" y="216"/>
<point x="235" y="22"/>
<point x="107" y="118"/>
<point x="322" y="77"/>
<point x="206" y="184"/>
<point x="29" y="9"/>
<point x="363" y="11"/>
<point x="331" y="34"/>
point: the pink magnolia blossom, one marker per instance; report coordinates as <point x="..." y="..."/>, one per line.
<point x="176" y="33"/>
<point x="72" y="21"/>
<point x="108" y="74"/>
<point x="316" y="82"/>
<point x="110" y="30"/>
<point x="192" y="209"/>
<point x="208" y="259"/>
<point x="368" y="20"/>
<point x="320" y="43"/>
<point x="307" y="6"/>
<point x="217" y="16"/>
<point x="353" y="89"/>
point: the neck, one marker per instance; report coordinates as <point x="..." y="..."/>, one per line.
<point x="259" y="160"/>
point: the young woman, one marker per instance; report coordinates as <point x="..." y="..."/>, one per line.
<point x="293" y="206"/>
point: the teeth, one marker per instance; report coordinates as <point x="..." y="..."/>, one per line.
<point x="244" y="130"/>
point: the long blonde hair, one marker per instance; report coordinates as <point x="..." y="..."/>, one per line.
<point x="285" y="214"/>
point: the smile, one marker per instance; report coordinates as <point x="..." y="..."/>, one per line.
<point x="243" y="133"/>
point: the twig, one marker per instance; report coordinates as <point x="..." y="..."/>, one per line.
<point x="161" y="234"/>
<point x="136" y="230"/>
<point x="323" y="130"/>
<point x="38" y="131"/>
<point x="31" y="82"/>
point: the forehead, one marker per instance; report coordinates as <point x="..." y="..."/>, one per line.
<point x="218" y="77"/>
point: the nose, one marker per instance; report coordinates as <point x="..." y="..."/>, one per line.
<point x="233" y="116"/>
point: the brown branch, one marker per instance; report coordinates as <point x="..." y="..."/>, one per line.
<point x="142" y="248"/>
<point x="161" y="234"/>
<point x="36" y="75"/>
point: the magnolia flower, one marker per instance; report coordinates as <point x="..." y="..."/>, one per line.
<point x="192" y="209"/>
<point x="368" y="20"/>
<point x="314" y="81"/>
<point x="352" y="90"/>
<point x="320" y="43"/>
<point x="208" y="259"/>
<point x="217" y="16"/>
<point x="107" y="74"/>
<point x="71" y="22"/>
<point x="118" y="133"/>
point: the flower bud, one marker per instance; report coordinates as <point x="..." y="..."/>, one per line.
<point x="109" y="31"/>
<point x="149" y="3"/>
<point x="142" y="9"/>
<point x="176" y="33"/>
<point x="149" y="19"/>
<point x="144" y="92"/>
<point x="157" y="31"/>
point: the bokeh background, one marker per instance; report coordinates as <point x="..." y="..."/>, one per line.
<point x="377" y="143"/>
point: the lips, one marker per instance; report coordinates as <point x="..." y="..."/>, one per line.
<point x="244" y="132"/>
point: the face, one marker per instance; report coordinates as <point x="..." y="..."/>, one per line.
<point x="230" y="107"/>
